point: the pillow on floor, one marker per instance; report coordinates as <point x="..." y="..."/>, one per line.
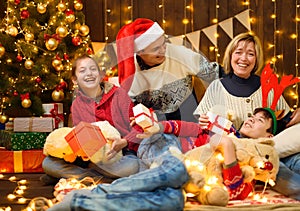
<point x="288" y="141"/>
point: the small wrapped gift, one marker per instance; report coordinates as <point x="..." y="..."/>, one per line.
<point x="29" y="161"/>
<point x="22" y="140"/>
<point x="146" y="118"/>
<point x="54" y="110"/>
<point x="33" y="124"/>
<point x="86" y="137"/>
<point x="218" y="124"/>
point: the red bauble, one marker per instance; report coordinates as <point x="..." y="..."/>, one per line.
<point x="63" y="84"/>
<point x="89" y="51"/>
<point x="19" y="58"/>
<point x="76" y="40"/>
<point x="24" y="14"/>
<point x="66" y="56"/>
<point x="268" y="166"/>
<point x="17" y="2"/>
<point x="15" y="93"/>
<point x="38" y="80"/>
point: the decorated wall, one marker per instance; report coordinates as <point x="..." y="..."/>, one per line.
<point x="208" y="26"/>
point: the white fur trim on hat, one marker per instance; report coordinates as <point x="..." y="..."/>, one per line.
<point x="148" y="37"/>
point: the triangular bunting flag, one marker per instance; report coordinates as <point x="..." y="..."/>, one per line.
<point x="114" y="46"/>
<point x="211" y="32"/>
<point x="227" y="26"/>
<point x="244" y="18"/>
<point x="178" y="40"/>
<point x="98" y="46"/>
<point x="194" y="38"/>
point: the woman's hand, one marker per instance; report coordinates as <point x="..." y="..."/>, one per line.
<point x="203" y="121"/>
<point x="295" y="118"/>
<point x="116" y="146"/>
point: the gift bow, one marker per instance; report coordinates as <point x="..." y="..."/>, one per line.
<point x="151" y="116"/>
<point x="25" y="96"/>
<point x="54" y="114"/>
<point x="55" y="36"/>
<point x="215" y="123"/>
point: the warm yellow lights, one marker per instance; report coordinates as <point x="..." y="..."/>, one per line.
<point x="160" y="6"/>
<point x="212" y="180"/>
<point x="273" y="16"/>
<point x="207" y="188"/>
<point x="185" y="21"/>
<point x="215" y="20"/>
<point x="11" y="196"/>
<point x="22" y="200"/>
<point x="271" y="45"/>
<point x="293" y="36"/>
<point x="220" y="157"/>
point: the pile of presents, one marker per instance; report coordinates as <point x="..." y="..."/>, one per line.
<point x="22" y="140"/>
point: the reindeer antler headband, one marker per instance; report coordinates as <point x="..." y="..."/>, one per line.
<point x="269" y="81"/>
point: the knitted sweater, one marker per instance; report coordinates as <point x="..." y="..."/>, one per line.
<point x="240" y="108"/>
<point x="115" y="106"/>
<point x="166" y="87"/>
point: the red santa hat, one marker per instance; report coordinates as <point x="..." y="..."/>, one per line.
<point x="132" y="38"/>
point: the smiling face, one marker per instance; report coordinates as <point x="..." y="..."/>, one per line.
<point x="154" y="54"/>
<point x="257" y="126"/>
<point x="243" y="59"/>
<point x="88" y="76"/>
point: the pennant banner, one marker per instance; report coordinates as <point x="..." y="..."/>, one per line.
<point x="178" y="40"/>
<point x="98" y="46"/>
<point x="227" y="26"/>
<point x="211" y="32"/>
<point x="244" y="18"/>
<point x="194" y="38"/>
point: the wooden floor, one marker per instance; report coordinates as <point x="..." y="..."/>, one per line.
<point x="35" y="188"/>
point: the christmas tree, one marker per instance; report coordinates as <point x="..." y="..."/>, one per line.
<point x="38" y="40"/>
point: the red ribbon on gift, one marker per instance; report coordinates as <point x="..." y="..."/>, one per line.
<point x="216" y="124"/>
<point x="55" y="36"/>
<point x="54" y="114"/>
<point x="151" y="116"/>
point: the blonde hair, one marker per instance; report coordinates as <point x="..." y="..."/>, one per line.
<point x="247" y="37"/>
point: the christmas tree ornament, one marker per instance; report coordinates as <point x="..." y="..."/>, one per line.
<point x="51" y="44"/>
<point x="78" y="5"/>
<point x="63" y="84"/>
<point x="19" y="58"/>
<point x="17" y="2"/>
<point x="15" y="93"/>
<point x="3" y="118"/>
<point x="70" y="18"/>
<point x="38" y="79"/>
<point x="9" y="61"/>
<point x="24" y="14"/>
<point x="2" y="51"/>
<point x="76" y="40"/>
<point x="28" y="64"/>
<point x="84" y="30"/>
<point x="26" y="103"/>
<point x="59" y="68"/>
<point x="41" y="8"/>
<point x="62" y="31"/>
<point x="29" y="37"/>
<point x="35" y="50"/>
<point x="58" y="95"/>
<point x="89" y="51"/>
<point x="61" y="7"/>
<point x="12" y="31"/>
<point x="56" y="63"/>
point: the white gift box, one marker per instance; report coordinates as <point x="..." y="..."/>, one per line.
<point x="33" y="124"/>
<point x="218" y="124"/>
<point x="54" y="110"/>
<point x="146" y="118"/>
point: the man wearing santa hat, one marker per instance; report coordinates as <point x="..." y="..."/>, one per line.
<point x="159" y="74"/>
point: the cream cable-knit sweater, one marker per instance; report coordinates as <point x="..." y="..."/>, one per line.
<point x="237" y="109"/>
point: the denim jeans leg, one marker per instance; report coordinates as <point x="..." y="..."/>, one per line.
<point x="292" y="162"/>
<point x="287" y="182"/>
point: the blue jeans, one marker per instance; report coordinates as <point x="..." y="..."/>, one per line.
<point x="58" y="168"/>
<point x="157" y="188"/>
<point x="288" y="177"/>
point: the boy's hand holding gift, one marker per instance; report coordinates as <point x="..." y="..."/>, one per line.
<point x="147" y="119"/>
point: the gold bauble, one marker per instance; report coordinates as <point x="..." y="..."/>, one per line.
<point x="58" y="95"/>
<point x="35" y="50"/>
<point x="78" y="6"/>
<point x="28" y="64"/>
<point x="84" y="30"/>
<point x="61" y="7"/>
<point x="26" y="103"/>
<point x="29" y="37"/>
<point x="9" y="61"/>
<point x="56" y="63"/>
<point x="62" y="31"/>
<point x="41" y="8"/>
<point x="70" y="18"/>
<point x="59" y="68"/>
<point x="51" y="44"/>
<point x="2" y="51"/>
<point x="12" y="31"/>
<point x="3" y="118"/>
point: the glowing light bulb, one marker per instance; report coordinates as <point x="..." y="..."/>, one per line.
<point x="11" y="196"/>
